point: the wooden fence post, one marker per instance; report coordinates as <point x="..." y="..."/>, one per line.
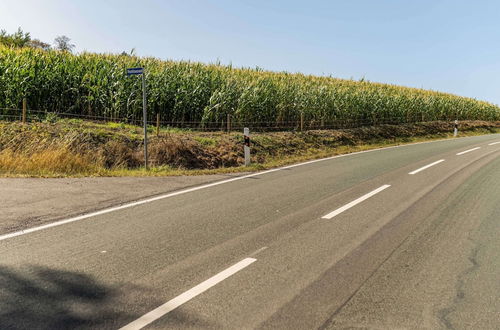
<point x="301" y="121"/>
<point x="158" y="124"/>
<point x="24" y="110"/>
<point x="228" y="123"/>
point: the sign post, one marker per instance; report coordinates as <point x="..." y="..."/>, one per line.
<point x="140" y="71"/>
<point x="246" y="137"/>
<point x="455" y="131"/>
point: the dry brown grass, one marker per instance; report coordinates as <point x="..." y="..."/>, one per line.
<point x="75" y="148"/>
<point x="54" y="162"/>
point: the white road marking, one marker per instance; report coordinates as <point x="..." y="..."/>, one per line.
<point x="492" y="144"/>
<point x="184" y="191"/>
<point x="259" y="251"/>
<point x="355" y="202"/>
<point x="426" y="167"/>
<point x="466" y="151"/>
<point x="186" y="296"/>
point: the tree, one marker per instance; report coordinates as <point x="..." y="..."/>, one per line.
<point x="17" y="39"/>
<point x="63" y="43"/>
<point x="35" y="43"/>
<point x="21" y="39"/>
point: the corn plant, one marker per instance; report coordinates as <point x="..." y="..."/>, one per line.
<point x="91" y="84"/>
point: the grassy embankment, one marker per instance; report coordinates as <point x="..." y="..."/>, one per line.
<point x="96" y="85"/>
<point x="80" y="148"/>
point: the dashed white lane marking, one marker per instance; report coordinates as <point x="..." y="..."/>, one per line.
<point x="258" y="251"/>
<point x="355" y="202"/>
<point x="184" y="191"/>
<point x="186" y="296"/>
<point x="426" y="167"/>
<point x="466" y="151"/>
<point x="492" y="144"/>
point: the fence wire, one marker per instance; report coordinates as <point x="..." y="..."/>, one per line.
<point x="10" y="114"/>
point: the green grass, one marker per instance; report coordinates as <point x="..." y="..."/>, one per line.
<point x="303" y="156"/>
<point x="75" y="149"/>
<point x="206" y="141"/>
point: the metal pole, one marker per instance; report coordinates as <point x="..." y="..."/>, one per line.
<point x="158" y="124"/>
<point x="24" y="111"/>
<point x="145" y="116"/>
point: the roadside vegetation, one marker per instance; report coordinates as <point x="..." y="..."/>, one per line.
<point x="89" y="84"/>
<point x="72" y="147"/>
<point x="57" y="83"/>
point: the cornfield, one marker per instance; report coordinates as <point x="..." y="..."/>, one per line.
<point x="96" y="85"/>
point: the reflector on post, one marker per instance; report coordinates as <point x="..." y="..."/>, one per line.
<point x="246" y="137"/>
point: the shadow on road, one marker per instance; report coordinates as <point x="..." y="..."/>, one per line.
<point x="42" y="298"/>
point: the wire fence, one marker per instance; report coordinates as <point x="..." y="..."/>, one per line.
<point x="30" y="115"/>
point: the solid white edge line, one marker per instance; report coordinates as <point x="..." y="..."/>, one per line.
<point x="426" y="167"/>
<point x="184" y="191"/>
<point x="355" y="202"/>
<point x="186" y="296"/>
<point x="466" y="151"/>
<point x="492" y="144"/>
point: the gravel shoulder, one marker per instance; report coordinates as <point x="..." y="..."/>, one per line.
<point x="28" y="202"/>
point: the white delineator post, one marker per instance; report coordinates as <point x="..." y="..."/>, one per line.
<point x="246" y="137"/>
<point x="455" y="131"/>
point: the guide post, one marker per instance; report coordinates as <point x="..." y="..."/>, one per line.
<point x="455" y="131"/>
<point x="137" y="71"/>
<point x="246" y="137"/>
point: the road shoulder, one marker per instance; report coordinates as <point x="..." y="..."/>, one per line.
<point x="29" y="202"/>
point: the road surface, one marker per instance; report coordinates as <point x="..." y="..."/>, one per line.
<point x="30" y="202"/>
<point x="398" y="238"/>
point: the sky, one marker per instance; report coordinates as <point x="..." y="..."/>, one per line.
<point x="447" y="45"/>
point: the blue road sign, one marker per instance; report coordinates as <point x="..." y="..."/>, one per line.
<point x="132" y="71"/>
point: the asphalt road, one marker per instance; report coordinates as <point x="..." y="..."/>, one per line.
<point x="342" y="243"/>
<point x="30" y="202"/>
